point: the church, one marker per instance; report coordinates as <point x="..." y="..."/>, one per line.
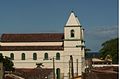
<point x="26" y="50"/>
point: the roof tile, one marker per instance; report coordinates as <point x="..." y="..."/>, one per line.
<point x="40" y="37"/>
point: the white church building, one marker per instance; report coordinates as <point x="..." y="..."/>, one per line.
<point x="26" y="50"/>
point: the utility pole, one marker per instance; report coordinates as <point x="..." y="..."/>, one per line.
<point x="69" y="69"/>
<point x="77" y="66"/>
<point x="1" y="70"/>
<point x="72" y="69"/>
<point x="53" y="68"/>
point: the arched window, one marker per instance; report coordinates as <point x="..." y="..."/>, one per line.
<point x="34" y="56"/>
<point x="58" y="73"/>
<point x="72" y="32"/>
<point x="46" y="56"/>
<point x="57" y="56"/>
<point x="23" y="56"/>
<point x="12" y="56"/>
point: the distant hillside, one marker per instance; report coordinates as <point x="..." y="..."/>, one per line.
<point x="92" y="54"/>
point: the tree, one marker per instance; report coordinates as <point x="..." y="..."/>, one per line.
<point x="7" y="63"/>
<point x="1" y="57"/>
<point x="110" y="48"/>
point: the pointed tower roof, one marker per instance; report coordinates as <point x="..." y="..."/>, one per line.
<point x="72" y="20"/>
<point x="77" y="20"/>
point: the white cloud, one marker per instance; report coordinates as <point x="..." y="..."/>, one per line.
<point x="96" y="36"/>
<point x="103" y="31"/>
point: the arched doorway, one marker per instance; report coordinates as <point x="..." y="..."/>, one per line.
<point x="58" y="73"/>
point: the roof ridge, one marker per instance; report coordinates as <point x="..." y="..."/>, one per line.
<point x="31" y="33"/>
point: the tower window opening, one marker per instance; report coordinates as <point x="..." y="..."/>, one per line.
<point x="57" y="56"/>
<point x="72" y="33"/>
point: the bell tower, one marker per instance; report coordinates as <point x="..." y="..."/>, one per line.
<point x="73" y="43"/>
<point x="73" y="30"/>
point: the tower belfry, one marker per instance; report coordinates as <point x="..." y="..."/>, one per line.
<point x="73" y="29"/>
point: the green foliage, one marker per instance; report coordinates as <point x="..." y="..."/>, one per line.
<point x="7" y="63"/>
<point x="1" y="57"/>
<point x="115" y="59"/>
<point x="110" y="47"/>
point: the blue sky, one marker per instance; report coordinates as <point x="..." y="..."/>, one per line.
<point x="98" y="17"/>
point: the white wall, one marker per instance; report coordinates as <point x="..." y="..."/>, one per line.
<point x="63" y="63"/>
<point x="67" y="32"/>
<point x="29" y="62"/>
<point x="72" y="43"/>
<point x="31" y="44"/>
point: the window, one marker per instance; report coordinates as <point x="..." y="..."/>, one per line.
<point x="57" y="56"/>
<point x="12" y="56"/>
<point x="72" y="33"/>
<point x="34" y="56"/>
<point x="46" y="56"/>
<point x="23" y="56"/>
<point x="58" y="73"/>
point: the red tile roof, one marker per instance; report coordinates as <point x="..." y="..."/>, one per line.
<point x="108" y="72"/>
<point x="40" y="37"/>
<point x="30" y="48"/>
<point x="9" y="77"/>
<point x="37" y="73"/>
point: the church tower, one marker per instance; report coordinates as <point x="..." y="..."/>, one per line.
<point x="74" y="43"/>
